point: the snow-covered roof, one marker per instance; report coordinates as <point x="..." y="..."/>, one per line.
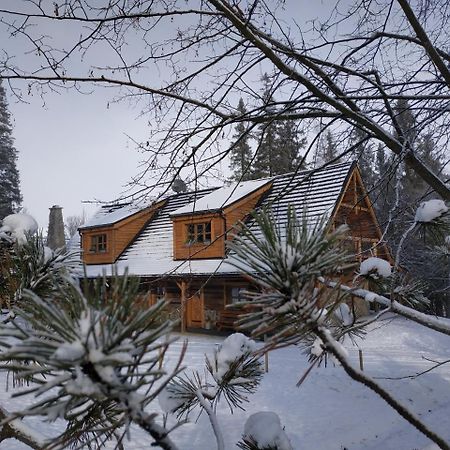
<point x="152" y="251"/>
<point x="222" y="197"/>
<point x="111" y="214"/>
<point x="314" y="194"/>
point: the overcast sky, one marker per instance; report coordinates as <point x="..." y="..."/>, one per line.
<point x="74" y="149"/>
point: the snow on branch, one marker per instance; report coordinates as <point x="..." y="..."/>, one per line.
<point x="234" y="371"/>
<point x="298" y="301"/>
<point x="430" y="210"/>
<point x="263" y="431"/>
<point x="375" y="268"/>
<point x="17" y="227"/>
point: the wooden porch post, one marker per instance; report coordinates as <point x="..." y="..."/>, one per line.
<point x="183" y="306"/>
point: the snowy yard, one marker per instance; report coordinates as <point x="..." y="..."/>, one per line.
<point x="329" y="411"/>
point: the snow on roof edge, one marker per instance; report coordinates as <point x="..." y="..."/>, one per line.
<point x="222" y="198"/>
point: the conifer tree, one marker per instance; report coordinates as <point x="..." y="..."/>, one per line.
<point x="241" y="152"/>
<point x="266" y="159"/>
<point x="406" y="121"/>
<point x="279" y="143"/>
<point x="327" y="149"/>
<point x="364" y="154"/>
<point x="10" y="196"/>
<point x="398" y="190"/>
<point x="289" y="144"/>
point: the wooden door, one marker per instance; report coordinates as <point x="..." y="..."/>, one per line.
<point x="194" y="309"/>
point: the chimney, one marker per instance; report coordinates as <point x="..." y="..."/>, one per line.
<point x="55" y="235"/>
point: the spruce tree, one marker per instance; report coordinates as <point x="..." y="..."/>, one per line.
<point x="327" y="149"/>
<point x="10" y="196"/>
<point x="241" y="152"/>
<point x="406" y="121"/>
<point x="364" y="154"/>
<point x="397" y="193"/>
<point x="266" y="152"/>
<point x="289" y="144"/>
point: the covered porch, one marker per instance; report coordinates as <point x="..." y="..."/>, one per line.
<point x="200" y="303"/>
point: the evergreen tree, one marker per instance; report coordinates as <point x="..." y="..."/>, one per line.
<point x="326" y="149"/>
<point x="241" y="153"/>
<point x="383" y="185"/>
<point x="10" y="197"/>
<point x="426" y="151"/>
<point x="406" y="121"/>
<point x="364" y="154"/>
<point x="266" y="153"/>
<point x="289" y="144"/>
<point x="398" y="191"/>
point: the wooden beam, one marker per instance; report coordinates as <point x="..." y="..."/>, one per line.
<point x="202" y="301"/>
<point x="182" y="286"/>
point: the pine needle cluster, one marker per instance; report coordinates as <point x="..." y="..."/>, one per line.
<point x="94" y="359"/>
<point x="288" y="265"/>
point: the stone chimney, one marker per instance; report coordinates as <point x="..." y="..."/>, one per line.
<point x="55" y="234"/>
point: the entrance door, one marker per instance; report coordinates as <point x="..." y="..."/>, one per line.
<point x="194" y="309"/>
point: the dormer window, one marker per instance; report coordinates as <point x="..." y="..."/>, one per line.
<point x="98" y="243"/>
<point x="198" y="233"/>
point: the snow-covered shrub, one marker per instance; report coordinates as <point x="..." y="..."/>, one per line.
<point x="94" y="359"/>
<point x="263" y="431"/>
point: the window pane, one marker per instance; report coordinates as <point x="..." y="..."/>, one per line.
<point x="236" y="294"/>
<point x="98" y="243"/>
<point x="208" y="232"/>
<point x="190" y="233"/>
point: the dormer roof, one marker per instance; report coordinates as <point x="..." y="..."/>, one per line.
<point x="111" y="214"/>
<point x="221" y="198"/>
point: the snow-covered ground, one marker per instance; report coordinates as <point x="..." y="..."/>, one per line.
<point x="329" y="411"/>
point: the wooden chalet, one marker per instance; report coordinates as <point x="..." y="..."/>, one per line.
<point x="177" y="246"/>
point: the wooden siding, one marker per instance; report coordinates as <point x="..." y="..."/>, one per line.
<point x="118" y="236"/>
<point x="240" y="210"/>
<point x="222" y="224"/>
<point x="98" y="258"/>
<point x="356" y="211"/>
<point x="184" y="250"/>
<point x="214" y="295"/>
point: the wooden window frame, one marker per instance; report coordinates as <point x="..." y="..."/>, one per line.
<point x="99" y="243"/>
<point x="199" y="233"/>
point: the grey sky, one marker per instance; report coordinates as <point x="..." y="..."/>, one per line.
<point x="73" y="149"/>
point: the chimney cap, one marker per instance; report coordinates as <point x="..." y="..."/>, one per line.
<point x="56" y="207"/>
